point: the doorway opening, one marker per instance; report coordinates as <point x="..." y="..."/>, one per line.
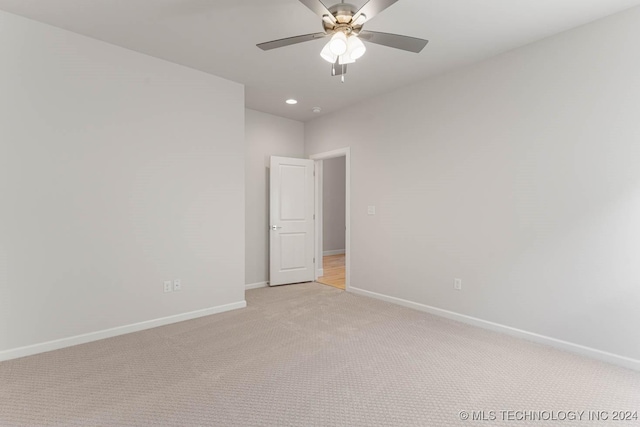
<point x="333" y="218"/>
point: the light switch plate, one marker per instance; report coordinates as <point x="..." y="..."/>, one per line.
<point x="177" y="285"/>
<point x="371" y="210"/>
<point x="168" y="286"/>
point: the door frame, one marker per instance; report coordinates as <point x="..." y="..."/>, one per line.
<point x="341" y="152"/>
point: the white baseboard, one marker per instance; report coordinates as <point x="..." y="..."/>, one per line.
<point x="334" y="252"/>
<point x="604" y="356"/>
<point x="320" y="272"/>
<point x="113" y="332"/>
<point x="256" y="285"/>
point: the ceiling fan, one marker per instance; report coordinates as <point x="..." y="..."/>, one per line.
<point x="343" y="22"/>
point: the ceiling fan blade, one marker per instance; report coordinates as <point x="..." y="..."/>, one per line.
<point x="372" y="8"/>
<point x="396" y="41"/>
<point x="290" y="40"/>
<point x="319" y="9"/>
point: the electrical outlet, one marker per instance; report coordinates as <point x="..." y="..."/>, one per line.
<point x="457" y="284"/>
<point x="168" y="286"/>
<point x="371" y="210"/>
<point x="177" y="285"/>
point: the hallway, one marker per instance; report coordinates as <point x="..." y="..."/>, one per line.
<point x="334" y="271"/>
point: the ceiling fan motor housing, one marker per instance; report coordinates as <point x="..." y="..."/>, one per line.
<point x="343" y="12"/>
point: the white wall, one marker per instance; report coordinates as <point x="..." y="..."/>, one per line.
<point x="519" y="175"/>
<point x="117" y="171"/>
<point x="333" y="204"/>
<point x="266" y="136"/>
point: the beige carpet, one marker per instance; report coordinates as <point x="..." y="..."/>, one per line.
<point x="306" y="355"/>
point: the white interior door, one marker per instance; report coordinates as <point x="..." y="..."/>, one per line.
<point x="292" y="223"/>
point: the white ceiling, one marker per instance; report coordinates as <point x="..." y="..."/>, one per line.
<point x="220" y="37"/>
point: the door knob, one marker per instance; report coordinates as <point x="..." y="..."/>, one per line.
<point x="275" y="227"/>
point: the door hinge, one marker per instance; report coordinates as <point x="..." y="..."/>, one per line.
<point x="314" y="216"/>
<point x="314" y="260"/>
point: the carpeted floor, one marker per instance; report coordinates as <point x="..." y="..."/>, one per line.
<point x="306" y="355"/>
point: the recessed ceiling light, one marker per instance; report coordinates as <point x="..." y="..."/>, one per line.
<point x="316" y="109"/>
<point x="292" y="101"/>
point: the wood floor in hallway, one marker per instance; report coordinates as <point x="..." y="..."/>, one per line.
<point x="334" y="271"/>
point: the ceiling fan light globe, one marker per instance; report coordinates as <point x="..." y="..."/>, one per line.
<point x="346" y="59"/>
<point x="327" y="55"/>
<point x="355" y="48"/>
<point x="358" y="53"/>
<point x="338" y="43"/>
